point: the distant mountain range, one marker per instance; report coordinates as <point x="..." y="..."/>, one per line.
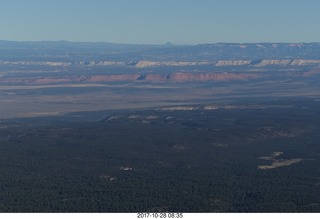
<point x="63" y="51"/>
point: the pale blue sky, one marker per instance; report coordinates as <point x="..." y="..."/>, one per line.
<point x="161" y="21"/>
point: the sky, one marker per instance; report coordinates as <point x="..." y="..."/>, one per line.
<point x="160" y="21"/>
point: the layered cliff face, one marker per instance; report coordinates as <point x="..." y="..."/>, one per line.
<point x="64" y="62"/>
<point x="144" y="64"/>
<point x="151" y="64"/>
<point x="232" y="62"/>
<point x="151" y="78"/>
<point x="258" y="63"/>
<point x="250" y="70"/>
<point x="287" y="62"/>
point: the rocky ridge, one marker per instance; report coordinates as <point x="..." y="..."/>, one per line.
<point x="151" y="78"/>
<point x="147" y="64"/>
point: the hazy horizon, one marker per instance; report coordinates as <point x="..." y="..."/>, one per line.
<point x="161" y="44"/>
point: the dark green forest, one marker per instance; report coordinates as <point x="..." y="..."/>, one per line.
<point x="164" y="161"/>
